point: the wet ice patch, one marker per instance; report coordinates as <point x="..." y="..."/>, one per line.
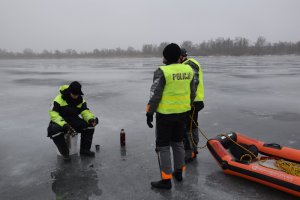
<point x="236" y="186"/>
<point x="258" y="76"/>
<point x="287" y="116"/>
<point x="287" y="74"/>
<point x="281" y="116"/>
<point x="102" y="95"/>
<point x="28" y="181"/>
<point x="291" y="142"/>
<point x="253" y="76"/>
<point x="239" y="89"/>
<point x="15" y="72"/>
<point x="75" y="181"/>
<point x="19" y="169"/>
<point x="48" y="82"/>
<point x="259" y="114"/>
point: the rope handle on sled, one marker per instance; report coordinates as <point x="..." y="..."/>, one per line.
<point x="283" y="165"/>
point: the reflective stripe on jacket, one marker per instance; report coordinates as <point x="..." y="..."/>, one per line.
<point x="62" y="109"/>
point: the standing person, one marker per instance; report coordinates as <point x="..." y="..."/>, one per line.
<point x="191" y="137"/>
<point x="66" y="107"/>
<point x="171" y="95"/>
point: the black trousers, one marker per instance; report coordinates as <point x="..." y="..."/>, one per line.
<point x="56" y="133"/>
<point x="190" y="125"/>
<point x="169" y="128"/>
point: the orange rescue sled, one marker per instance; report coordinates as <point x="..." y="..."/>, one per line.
<point x="254" y="171"/>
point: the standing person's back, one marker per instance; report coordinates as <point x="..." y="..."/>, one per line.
<point x="172" y="93"/>
<point x="191" y="138"/>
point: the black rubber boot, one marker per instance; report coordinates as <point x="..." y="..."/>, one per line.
<point x="62" y="147"/>
<point x="178" y="175"/>
<point x="191" y="158"/>
<point x="162" y="184"/>
<point x="86" y="139"/>
<point x="87" y="153"/>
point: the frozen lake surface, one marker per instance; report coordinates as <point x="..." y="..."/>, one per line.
<point x="256" y="96"/>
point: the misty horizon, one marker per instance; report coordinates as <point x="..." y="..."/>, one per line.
<point x="221" y="46"/>
<point x="88" y="25"/>
<point x="267" y="42"/>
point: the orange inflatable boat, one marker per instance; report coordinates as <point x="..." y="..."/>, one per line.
<point x="254" y="167"/>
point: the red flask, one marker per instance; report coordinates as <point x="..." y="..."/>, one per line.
<point x="122" y="137"/>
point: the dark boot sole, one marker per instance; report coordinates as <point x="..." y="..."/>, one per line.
<point x="160" y="187"/>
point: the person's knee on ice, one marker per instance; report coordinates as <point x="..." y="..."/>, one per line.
<point x="56" y="133"/>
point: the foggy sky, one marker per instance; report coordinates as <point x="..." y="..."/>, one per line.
<point x="84" y="25"/>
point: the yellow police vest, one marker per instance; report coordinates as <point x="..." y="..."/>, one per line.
<point x="176" y="95"/>
<point x="200" y="88"/>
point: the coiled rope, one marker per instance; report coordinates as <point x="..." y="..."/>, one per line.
<point x="288" y="167"/>
<point x="282" y="165"/>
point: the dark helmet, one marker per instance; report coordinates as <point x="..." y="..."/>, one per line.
<point x="172" y="53"/>
<point x="183" y="52"/>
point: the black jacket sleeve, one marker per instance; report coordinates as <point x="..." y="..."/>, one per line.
<point x="193" y="90"/>
<point x="195" y="68"/>
<point x="156" y="91"/>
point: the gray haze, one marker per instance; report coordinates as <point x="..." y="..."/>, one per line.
<point x="88" y="24"/>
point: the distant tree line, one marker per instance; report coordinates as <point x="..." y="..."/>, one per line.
<point x="221" y="46"/>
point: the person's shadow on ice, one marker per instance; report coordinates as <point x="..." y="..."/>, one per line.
<point x="75" y="180"/>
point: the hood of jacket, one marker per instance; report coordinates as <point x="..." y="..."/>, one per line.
<point x="66" y="95"/>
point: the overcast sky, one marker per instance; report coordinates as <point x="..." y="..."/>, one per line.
<point x="84" y="25"/>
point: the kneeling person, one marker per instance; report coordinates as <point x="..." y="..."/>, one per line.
<point x="64" y="115"/>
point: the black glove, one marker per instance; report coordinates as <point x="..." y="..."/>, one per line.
<point x="94" y="122"/>
<point x="69" y="130"/>
<point x="149" y="119"/>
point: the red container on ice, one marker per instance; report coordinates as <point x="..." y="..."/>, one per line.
<point x="122" y="137"/>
